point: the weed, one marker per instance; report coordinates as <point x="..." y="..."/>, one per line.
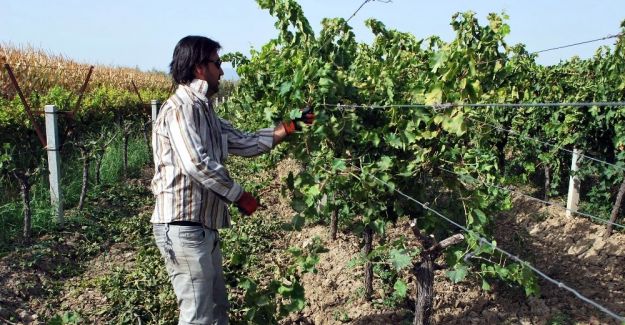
<point x="341" y="316"/>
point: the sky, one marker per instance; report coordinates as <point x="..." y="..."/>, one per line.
<point x="143" y="33"/>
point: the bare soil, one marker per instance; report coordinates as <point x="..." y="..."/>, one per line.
<point x="569" y="249"/>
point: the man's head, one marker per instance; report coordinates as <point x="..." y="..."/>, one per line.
<point x="196" y="57"/>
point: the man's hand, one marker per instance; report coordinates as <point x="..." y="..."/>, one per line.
<point x="308" y="118"/>
<point x="247" y="204"/>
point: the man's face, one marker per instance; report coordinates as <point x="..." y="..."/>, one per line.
<point x="210" y="72"/>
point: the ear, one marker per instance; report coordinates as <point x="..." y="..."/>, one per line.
<point x="198" y="70"/>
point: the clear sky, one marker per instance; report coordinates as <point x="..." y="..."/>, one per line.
<point x="143" y="33"/>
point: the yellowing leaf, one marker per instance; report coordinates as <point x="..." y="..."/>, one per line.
<point x="435" y="96"/>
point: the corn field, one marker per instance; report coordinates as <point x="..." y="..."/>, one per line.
<point x="37" y="71"/>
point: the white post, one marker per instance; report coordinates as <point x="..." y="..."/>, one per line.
<point x="54" y="161"/>
<point x="155" y="105"/>
<point x="572" y="201"/>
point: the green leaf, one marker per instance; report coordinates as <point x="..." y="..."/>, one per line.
<point x="298" y="221"/>
<point x="485" y="285"/>
<point x="401" y="288"/>
<point x="298" y="301"/>
<point x="502" y="271"/>
<point x="312" y="194"/>
<point x="467" y="179"/>
<point x="295" y="113"/>
<point x="458" y="274"/>
<point x="438" y="60"/>
<point x="338" y="164"/>
<point x="285" y="88"/>
<point x="481" y="217"/>
<point x="313" y="190"/>
<point x="400" y="259"/>
<point x="385" y="163"/>
<point x="394" y="141"/>
<point x="298" y="204"/>
<point x="379" y="226"/>
<point x="410" y="136"/>
<point x="284" y="290"/>
<point x="325" y="82"/>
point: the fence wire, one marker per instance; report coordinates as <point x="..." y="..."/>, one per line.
<point x="510" y="255"/>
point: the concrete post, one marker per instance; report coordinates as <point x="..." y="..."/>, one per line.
<point x="572" y="201"/>
<point x="155" y="106"/>
<point x="54" y="161"/>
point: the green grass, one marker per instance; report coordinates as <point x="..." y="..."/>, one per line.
<point x="139" y="155"/>
<point x="11" y="212"/>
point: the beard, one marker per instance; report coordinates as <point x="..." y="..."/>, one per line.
<point x="212" y="89"/>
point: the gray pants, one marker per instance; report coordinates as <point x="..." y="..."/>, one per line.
<point x="193" y="261"/>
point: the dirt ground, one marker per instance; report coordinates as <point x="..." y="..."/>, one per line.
<point x="570" y="250"/>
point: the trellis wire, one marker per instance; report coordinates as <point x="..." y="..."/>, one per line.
<point x="523" y="194"/>
<point x="536" y="199"/>
<point x="510" y="255"/>
<point x="578" y="43"/>
<point x="519" y="135"/>
<point x="438" y="107"/>
<point x="362" y="5"/>
<point x="442" y="106"/>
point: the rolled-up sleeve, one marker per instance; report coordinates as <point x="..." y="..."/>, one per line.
<point x="247" y="144"/>
<point x="194" y="157"/>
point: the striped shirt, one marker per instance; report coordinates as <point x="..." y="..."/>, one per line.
<point x="190" y="144"/>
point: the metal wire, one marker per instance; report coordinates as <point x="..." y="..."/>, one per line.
<point x="545" y="143"/>
<point x="362" y="5"/>
<point x="608" y="222"/>
<point x="357" y="10"/>
<point x="510" y="255"/>
<point x="579" y="43"/>
<point x="557" y="48"/>
<point x="443" y="106"/>
<point x="438" y="107"/>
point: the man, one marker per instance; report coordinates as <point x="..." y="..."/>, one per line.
<point x="191" y="185"/>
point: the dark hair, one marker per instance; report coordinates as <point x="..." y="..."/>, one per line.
<point x="190" y="52"/>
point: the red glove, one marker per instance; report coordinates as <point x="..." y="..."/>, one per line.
<point x="308" y="117"/>
<point x="289" y="127"/>
<point x="247" y="204"/>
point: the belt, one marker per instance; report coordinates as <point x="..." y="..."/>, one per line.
<point x="185" y="223"/>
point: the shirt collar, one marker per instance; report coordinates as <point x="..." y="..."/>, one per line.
<point x="199" y="88"/>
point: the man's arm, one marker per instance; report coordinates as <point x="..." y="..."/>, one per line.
<point x="279" y="134"/>
<point x="193" y="156"/>
<point x="251" y="144"/>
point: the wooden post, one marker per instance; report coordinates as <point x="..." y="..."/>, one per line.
<point x="572" y="201"/>
<point x="136" y="91"/>
<point x="26" y="106"/>
<point x="367" y="249"/>
<point x="615" y="209"/>
<point x="54" y="161"/>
